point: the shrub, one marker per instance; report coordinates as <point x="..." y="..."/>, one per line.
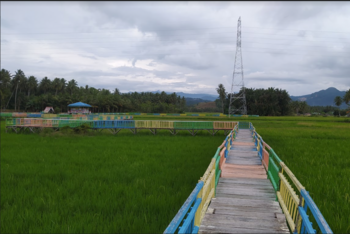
<point x="82" y="129"/>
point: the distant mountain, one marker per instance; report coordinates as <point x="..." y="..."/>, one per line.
<point x="194" y="101"/>
<point x="321" y="98"/>
<point x="208" y="97"/>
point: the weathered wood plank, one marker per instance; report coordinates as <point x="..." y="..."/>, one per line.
<point x="245" y="166"/>
<point x="259" y="215"/>
<point x="235" y="160"/>
<point x="252" y="190"/>
<point x="244" y="205"/>
<point x="245" y="192"/>
<point x="241" y="222"/>
<point x="252" y="206"/>
<point x="230" y="192"/>
<point x="251" y="184"/>
<point x="222" y="229"/>
<point x="243" y="153"/>
<point x="256" y="208"/>
<point x="245" y="170"/>
<point x="238" y="194"/>
<point x="245" y="201"/>
<point x="243" y="174"/>
<point x="244" y="157"/>
<point x="239" y="185"/>
<point x="236" y="143"/>
<point x="244" y="196"/>
<point x="231" y="175"/>
<point x="245" y="181"/>
<point x="235" y="150"/>
<point x="241" y="162"/>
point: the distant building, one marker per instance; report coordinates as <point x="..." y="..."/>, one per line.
<point x="49" y="110"/>
<point x="79" y="108"/>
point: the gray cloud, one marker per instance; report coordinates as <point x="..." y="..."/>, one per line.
<point x="179" y="46"/>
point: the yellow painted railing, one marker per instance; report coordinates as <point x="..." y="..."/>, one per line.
<point x="206" y="193"/>
<point x="288" y="198"/>
<point x="193" y="210"/>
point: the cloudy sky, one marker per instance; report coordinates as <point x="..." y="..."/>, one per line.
<point x="302" y="47"/>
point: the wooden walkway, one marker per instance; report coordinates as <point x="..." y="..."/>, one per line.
<point x="245" y="200"/>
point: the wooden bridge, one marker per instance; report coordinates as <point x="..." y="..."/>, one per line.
<point x="247" y="189"/>
<point x="245" y="200"/>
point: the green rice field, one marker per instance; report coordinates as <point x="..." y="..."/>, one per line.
<point x="58" y="182"/>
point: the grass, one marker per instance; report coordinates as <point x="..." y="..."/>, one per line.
<point x="68" y="183"/>
<point x="64" y="182"/>
<point x="317" y="152"/>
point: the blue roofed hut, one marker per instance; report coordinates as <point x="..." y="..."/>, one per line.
<point x="79" y="108"/>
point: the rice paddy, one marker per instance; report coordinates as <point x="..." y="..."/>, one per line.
<point x="57" y="182"/>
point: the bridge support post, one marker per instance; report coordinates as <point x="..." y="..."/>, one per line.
<point x="193" y="132"/>
<point x="154" y="131"/>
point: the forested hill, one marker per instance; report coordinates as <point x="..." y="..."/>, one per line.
<point x="321" y="98"/>
<point x="204" y="97"/>
<point x="195" y="101"/>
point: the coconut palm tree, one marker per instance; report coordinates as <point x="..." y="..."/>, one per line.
<point x="222" y="95"/>
<point x="338" y="101"/>
<point x="56" y="84"/>
<point x="32" y="84"/>
<point x="19" y="75"/>
<point x="45" y="84"/>
<point x="347" y="98"/>
<point x="71" y="86"/>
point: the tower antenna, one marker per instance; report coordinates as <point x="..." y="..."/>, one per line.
<point x="237" y="101"/>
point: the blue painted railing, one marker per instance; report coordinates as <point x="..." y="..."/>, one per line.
<point x="188" y="218"/>
<point x="306" y="226"/>
<point x="188" y="208"/>
<point x="294" y="207"/>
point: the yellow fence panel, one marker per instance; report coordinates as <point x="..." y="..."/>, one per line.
<point x="224" y="125"/>
<point x="166" y="124"/>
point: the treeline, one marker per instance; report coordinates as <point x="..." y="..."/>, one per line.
<point x="275" y="102"/>
<point x="21" y="93"/>
<point x="263" y="102"/>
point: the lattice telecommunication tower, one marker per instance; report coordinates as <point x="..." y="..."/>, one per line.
<point x="237" y="101"/>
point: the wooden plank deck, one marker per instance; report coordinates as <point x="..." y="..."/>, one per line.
<point x="245" y="200"/>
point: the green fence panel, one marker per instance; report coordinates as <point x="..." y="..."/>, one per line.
<point x="183" y="125"/>
<point x="203" y="125"/>
<point x="275" y="157"/>
<point x="273" y="169"/>
<point x="243" y="125"/>
<point x="6" y="114"/>
<point x="10" y="122"/>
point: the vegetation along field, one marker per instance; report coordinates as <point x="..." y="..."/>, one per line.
<point x="102" y="183"/>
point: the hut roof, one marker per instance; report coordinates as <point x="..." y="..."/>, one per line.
<point x="79" y="104"/>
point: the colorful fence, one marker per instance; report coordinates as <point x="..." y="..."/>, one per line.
<point x="46" y="123"/>
<point x="190" y="215"/>
<point x="123" y="123"/>
<point x="67" y="116"/>
<point x="36" y="115"/>
<point x="290" y="193"/>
